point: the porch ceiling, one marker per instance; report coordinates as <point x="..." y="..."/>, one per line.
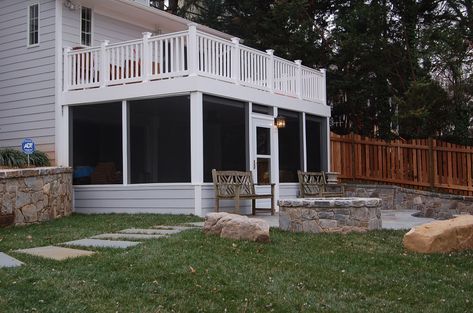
<point x="144" y="16"/>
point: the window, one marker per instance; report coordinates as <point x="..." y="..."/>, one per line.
<point x="97" y="144"/>
<point x="314" y="147"/>
<point x="160" y="140"/>
<point x="33" y="24"/>
<point x="224" y="135"/>
<point x="86" y="26"/>
<point x="290" y="156"/>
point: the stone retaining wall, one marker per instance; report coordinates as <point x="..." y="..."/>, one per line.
<point x="430" y="204"/>
<point x="34" y="195"/>
<point x="330" y="214"/>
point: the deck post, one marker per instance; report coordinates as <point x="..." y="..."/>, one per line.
<point x="324" y="85"/>
<point x="67" y="68"/>
<point x="145" y="65"/>
<point x="236" y="60"/>
<point x="104" y="68"/>
<point x="193" y="54"/>
<point x="299" y="78"/>
<point x="270" y="68"/>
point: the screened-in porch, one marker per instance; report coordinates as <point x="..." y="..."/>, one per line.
<point x="176" y="141"/>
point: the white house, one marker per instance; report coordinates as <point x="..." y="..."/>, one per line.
<point x="144" y="104"/>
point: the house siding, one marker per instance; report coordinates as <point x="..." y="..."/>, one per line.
<point x="27" y="77"/>
<point x="103" y="28"/>
<point x="173" y="199"/>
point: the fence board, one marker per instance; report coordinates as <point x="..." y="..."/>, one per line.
<point x="419" y="163"/>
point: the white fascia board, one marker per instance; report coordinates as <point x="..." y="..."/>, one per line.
<point x="185" y="85"/>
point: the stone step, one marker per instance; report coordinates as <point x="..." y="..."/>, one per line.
<point x="56" y="253"/>
<point x="99" y="243"/>
<point x="8" y="261"/>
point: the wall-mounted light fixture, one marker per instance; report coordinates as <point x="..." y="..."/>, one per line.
<point x="280" y="121"/>
<point x="70" y="5"/>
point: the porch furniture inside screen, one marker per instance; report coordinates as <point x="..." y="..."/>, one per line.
<point x="314" y="184"/>
<point x="235" y="185"/>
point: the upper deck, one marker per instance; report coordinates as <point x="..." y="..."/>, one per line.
<point x="189" y="53"/>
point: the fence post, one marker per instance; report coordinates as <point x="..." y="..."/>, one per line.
<point x="431" y="164"/>
<point x="146" y="57"/>
<point x="353" y="171"/>
<point x="270" y="52"/>
<point x="67" y="69"/>
<point x="193" y="53"/>
<point x="236" y="60"/>
<point x="103" y="65"/>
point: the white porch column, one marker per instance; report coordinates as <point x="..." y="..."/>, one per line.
<point x="236" y="60"/>
<point x="304" y="143"/>
<point x="299" y="78"/>
<point x="125" y="145"/>
<point x="197" y="149"/>
<point x="193" y="51"/>
<point x="146" y="57"/>
<point x="275" y="157"/>
<point x="270" y="52"/>
<point x="328" y="143"/>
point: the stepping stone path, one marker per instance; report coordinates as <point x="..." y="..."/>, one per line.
<point x="8" y="261"/>
<point x="127" y="236"/>
<point x="56" y="253"/>
<point x="98" y="241"/>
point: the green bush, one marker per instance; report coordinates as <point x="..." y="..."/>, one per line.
<point x="15" y="158"/>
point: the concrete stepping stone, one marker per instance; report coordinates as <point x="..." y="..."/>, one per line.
<point x="195" y="224"/>
<point x="56" y="253"/>
<point x="157" y="230"/>
<point x="129" y="236"/>
<point x="8" y="261"/>
<point x="99" y="243"/>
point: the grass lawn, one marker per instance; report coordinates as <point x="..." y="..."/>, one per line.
<point x="191" y="272"/>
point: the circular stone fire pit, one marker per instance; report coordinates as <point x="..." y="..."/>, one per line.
<point x="316" y="215"/>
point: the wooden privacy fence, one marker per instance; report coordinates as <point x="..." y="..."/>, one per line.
<point x="420" y="163"/>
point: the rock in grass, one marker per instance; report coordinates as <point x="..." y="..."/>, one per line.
<point x="441" y="236"/>
<point x="237" y="227"/>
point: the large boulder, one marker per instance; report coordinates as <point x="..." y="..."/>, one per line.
<point x="237" y="227"/>
<point x="441" y="236"/>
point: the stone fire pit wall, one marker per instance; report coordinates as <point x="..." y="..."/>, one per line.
<point x="329" y="214"/>
<point x="34" y="195"/>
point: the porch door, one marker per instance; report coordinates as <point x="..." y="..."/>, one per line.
<point x="262" y="147"/>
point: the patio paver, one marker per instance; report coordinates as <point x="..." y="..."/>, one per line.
<point x="159" y="231"/>
<point x="99" y="243"/>
<point x="8" y="261"/>
<point x="56" y="253"/>
<point x="128" y="236"/>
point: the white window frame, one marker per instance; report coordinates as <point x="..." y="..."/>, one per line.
<point x="28" y="23"/>
<point x="91" y="27"/>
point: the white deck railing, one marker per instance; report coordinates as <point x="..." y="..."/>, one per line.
<point x="187" y="53"/>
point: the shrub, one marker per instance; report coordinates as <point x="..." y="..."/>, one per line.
<point x="15" y="158"/>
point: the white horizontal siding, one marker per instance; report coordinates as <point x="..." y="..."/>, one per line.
<point x="103" y="28"/>
<point x="27" y="76"/>
<point x="287" y="190"/>
<point x="173" y="199"/>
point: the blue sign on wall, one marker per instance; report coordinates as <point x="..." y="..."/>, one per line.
<point x="28" y="146"/>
